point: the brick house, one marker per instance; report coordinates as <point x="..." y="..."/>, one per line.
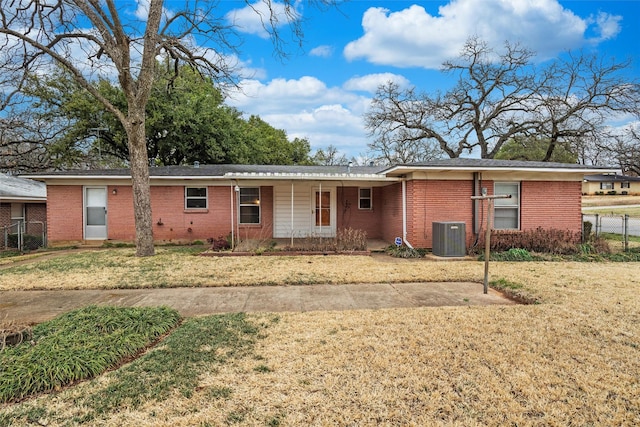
<point x="207" y="201"/>
<point x="23" y="203"/>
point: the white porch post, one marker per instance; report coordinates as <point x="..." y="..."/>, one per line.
<point x="291" y="213"/>
<point x="319" y="208"/>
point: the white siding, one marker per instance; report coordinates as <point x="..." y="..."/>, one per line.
<point x="302" y="211"/>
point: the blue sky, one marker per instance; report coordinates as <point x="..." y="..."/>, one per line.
<point x="323" y="89"/>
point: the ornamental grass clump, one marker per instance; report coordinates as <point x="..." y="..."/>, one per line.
<point x="79" y="345"/>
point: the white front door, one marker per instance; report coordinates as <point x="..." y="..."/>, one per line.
<point x="323" y="221"/>
<point x="95" y="213"/>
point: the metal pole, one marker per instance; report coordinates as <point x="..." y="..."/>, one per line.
<point x="487" y="247"/>
<point x="487" y="240"/>
<point x="626" y="232"/>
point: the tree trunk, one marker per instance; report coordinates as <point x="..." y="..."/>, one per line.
<point x="139" y="164"/>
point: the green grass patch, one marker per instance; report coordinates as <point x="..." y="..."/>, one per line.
<point x="197" y="345"/>
<point x="79" y="345"/>
<point x="631" y="211"/>
<point x="504" y="284"/>
<point x="9" y="253"/>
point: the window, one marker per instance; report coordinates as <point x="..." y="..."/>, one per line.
<point x="606" y="185"/>
<point x="249" y="205"/>
<point x="507" y="211"/>
<point x="195" y="197"/>
<point x="624" y="184"/>
<point x="17" y="216"/>
<point x="364" y="198"/>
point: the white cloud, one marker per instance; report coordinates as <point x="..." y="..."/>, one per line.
<point x="414" y="38"/>
<point x="323" y="51"/>
<point x="307" y="108"/>
<point x="608" y="26"/>
<point x="371" y="82"/>
<point x="253" y="18"/>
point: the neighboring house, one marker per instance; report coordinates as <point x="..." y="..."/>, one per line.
<point x="207" y="201"/>
<point x="610" y="184"/>
<point x="23" y="206"/>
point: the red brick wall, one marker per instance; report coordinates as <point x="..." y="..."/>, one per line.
<point x="391" y="219"/>
<point x="546" y="204"/>
<point x="35" y="212"/>
<point x="551" y="204"/>
<point x="351" y="216"/>
<point x="435" y="201"/>
<point x="171" y="221"/>
<point x="64" y="213"/>
<point x="5" y="214"/>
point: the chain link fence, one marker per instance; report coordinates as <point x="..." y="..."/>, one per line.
<point x="616" y="225"/>
<point x="24" y="236"/>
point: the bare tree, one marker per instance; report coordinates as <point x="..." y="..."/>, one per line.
<point x="577" y="97"/>
<point x="329" y="156"/>
<point x="624" y="149"/>
<point x="497" y="97"/>
<point x="98" y="37"/>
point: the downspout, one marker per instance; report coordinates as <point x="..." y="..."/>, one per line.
<point x="404" y="213"/>
<point x="232" y="235"/>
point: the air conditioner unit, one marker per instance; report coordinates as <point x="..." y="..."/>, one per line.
<point x="449" y="239"/>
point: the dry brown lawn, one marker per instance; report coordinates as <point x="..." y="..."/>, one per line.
<point x="573" y="359"/>
<point x="610" y="200"/>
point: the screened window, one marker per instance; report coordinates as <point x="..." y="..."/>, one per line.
<point x="624" y="184"/>
<point x="195" y="197"/>
<point x="507" y="211"/>
<point x="364" y="198"/>
<point x="249" y="205"/>
<point x="606" y="185"/>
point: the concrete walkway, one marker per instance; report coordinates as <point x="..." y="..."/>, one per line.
<point x="38" y="306"/>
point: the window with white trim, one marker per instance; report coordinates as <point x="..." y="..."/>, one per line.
<point x="195" y="198"/>
<point x="365" y="198"/>
<point x="249" y="211"/>
<point x="507" y="211"/>
<point x="606" y="185"/>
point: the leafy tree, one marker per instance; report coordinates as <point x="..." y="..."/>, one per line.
<point x="497" y="97"/>
<point x="91" y="37"/>
<point x="186" y="122"/>
<point x="533" y="149"/>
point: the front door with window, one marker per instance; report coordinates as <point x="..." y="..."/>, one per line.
<point x="324" y="215"/>
<point x="95" y="213"/>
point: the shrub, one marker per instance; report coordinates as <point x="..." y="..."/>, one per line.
<point x="612" y="192"/>
<point x="346" y="240"/>
<point x="29" y="242"/>
<point x="554" y="241"/>
<point x="78" y="345"/>
<point x="351" y="239"/>
<point x="219" y="244"/>
<point x="405" y="252"/>
<point x="587" y="228"/>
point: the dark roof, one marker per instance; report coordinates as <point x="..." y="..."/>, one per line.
<point x="221" y="170"/>
<point x="493" y="163"/>
<point x="12" y="187"/>
<point x="611" y="178"/>
<point x="381" y="171"/>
